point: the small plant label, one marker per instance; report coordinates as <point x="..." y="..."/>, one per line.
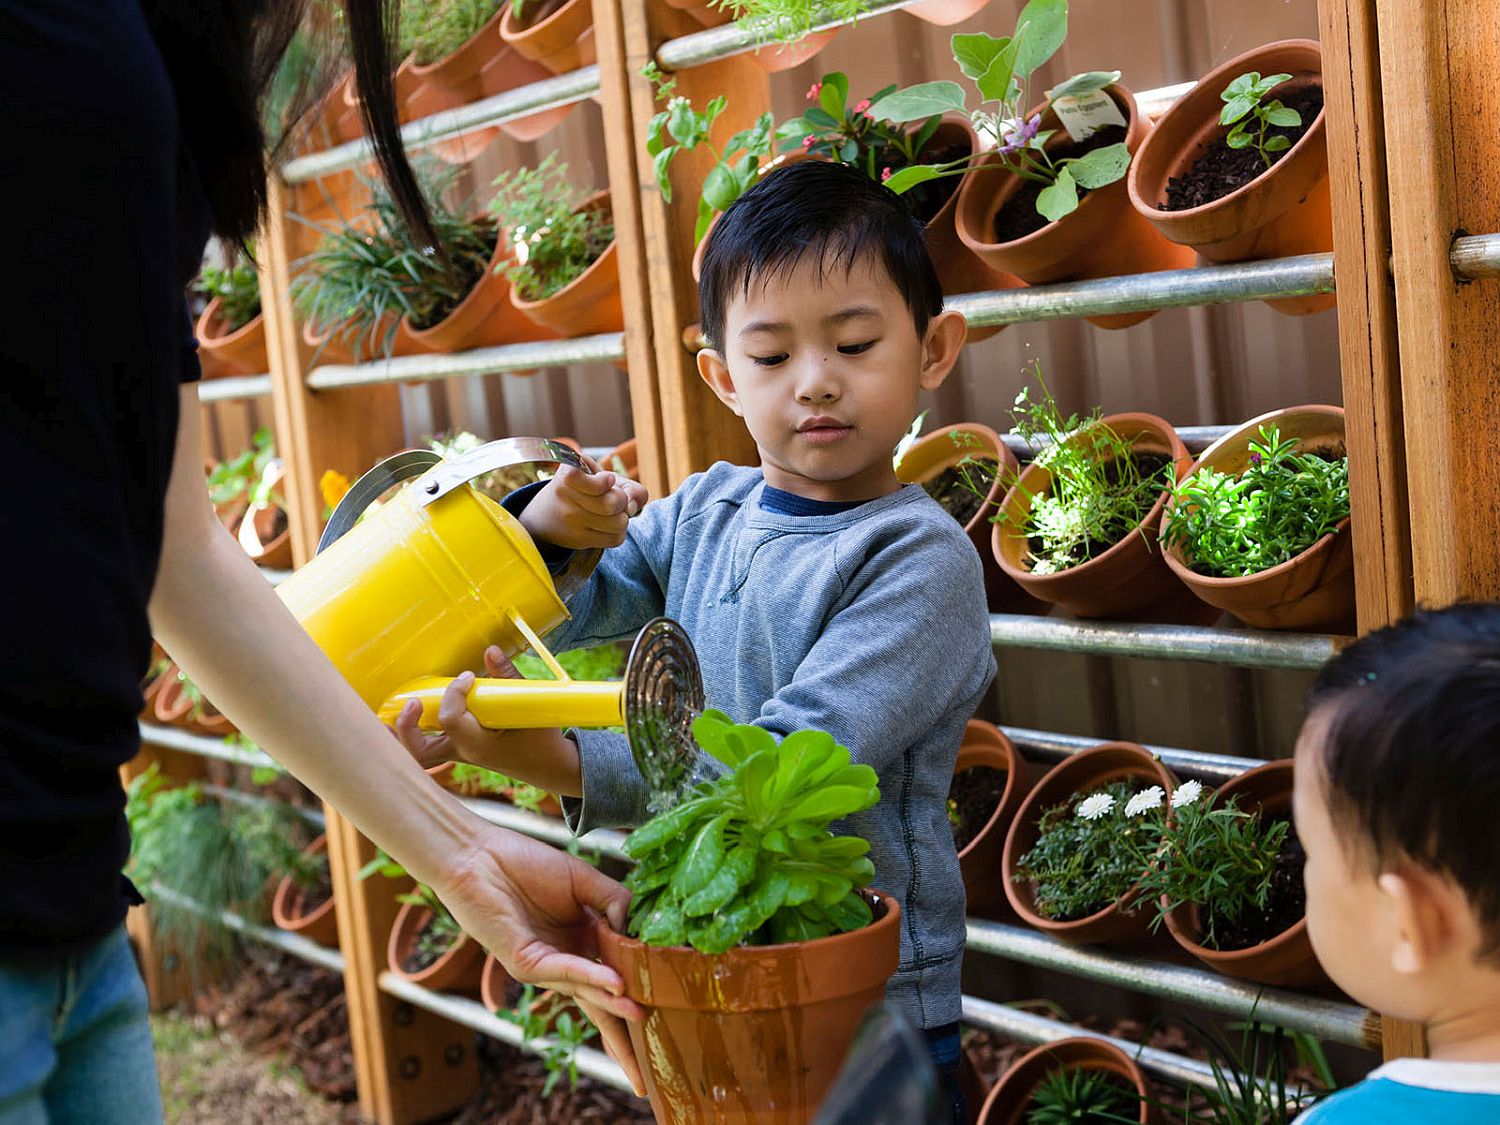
<point x="1083" y="115"/>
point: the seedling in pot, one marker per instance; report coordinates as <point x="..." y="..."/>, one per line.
<point x="558" y="1029"/>
<point x="237" y="475"/>
<point x="1072" y="1094"/>
<point x="1246" y="109"/>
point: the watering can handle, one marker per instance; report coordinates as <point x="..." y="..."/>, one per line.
<point x="441" y="477"/>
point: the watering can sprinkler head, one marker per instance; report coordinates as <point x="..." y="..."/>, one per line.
<point x="427" y="581"/>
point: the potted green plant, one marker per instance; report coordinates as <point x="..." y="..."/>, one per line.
<point x="751" y="935"/>
<point x="1072" y="865"/>
<point x="304" y="902"/>
<point x="1079" y="527"/>
<point x="231" y="331"/>
<point x="990" y="780"/>
<point x="1237" y="168"/>
<point x="1260" y="524"/>
<point x="552" y="1025"/>
<point x="427" y="946"/>
<point x="558" y="34"/>
<point x="785" y="27"/>
<point x="265" y="530"/>
<point x="1050" y="203"/>
<point x="1071" y="1080"/>
<point x="565" y="274"/>
<point x="231" y="481"/>
<point x="966" y="468"/>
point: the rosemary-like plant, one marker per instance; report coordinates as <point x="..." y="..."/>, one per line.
<point x="1071" y="1095"/>
<point x="554" y="242"/>
<point x="434" y="29"/>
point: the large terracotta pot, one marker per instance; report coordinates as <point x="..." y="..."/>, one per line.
<point x="1131" y="579"/>
<point x="1010" y="1101"/>
<point x="986" y="745"/>
<point x="1122" y="920"/>
<point x="239" y="351"/>
<point x="757" y="1034"/>
<point x="1286" y="960"/>
<point x="773" y="58"/>
<point x="486" y="317"/>
<point x="929" y="456"/>
<point x="561" y="41"/>
<point x="1312" y="591"/>
<point x="1104" y="237"/>
<point x="590" y="303"/>
<point x="457" y="970"/>
<point x="289" y="907"/>
<point x="1283" y="211"/>
<point x="945" y="13"/>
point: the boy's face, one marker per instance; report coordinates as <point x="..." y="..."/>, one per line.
<point x="825" y="370"/>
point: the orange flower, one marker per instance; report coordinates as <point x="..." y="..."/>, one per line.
<point x="333" y="485"/>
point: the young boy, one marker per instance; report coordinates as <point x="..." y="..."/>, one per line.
<point x="818" y="591"/>
<point x="1398" y="789"/>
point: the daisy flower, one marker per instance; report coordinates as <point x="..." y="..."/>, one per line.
<point x="1092" y="808"/>
<point x="1186" y="794"/>
<point x="1144" y="801"/>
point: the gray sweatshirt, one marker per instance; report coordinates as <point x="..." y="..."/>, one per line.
<point x="867" y="623"/>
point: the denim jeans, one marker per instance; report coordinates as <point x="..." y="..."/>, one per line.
<point x="75" y="1043"/>
<point x="946" y="1046"/>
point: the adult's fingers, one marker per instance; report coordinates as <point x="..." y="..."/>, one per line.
<point x="616" y="1040"/>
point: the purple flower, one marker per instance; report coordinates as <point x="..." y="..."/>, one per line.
<point x="1255" y="458"/>
<point x="1017" y="139"/>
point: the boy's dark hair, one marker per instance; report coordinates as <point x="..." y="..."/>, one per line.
<point x="815" y="207"/>
<point x="1411" y="754"/>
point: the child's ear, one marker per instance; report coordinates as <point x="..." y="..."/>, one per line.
<point x="715" y="373"/>
<point x="1420" y="916"/>
<point x="940" y="348"/>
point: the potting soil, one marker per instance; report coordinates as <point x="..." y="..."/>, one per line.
<point x="972" y="797"/>
<point x="1221" y="169"/>
<point x="1019" y="217"/>
<point x="1285" y="905"/>
<point x="957" y="499"/>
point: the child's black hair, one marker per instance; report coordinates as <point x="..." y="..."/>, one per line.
<point x="1411" y="750"/>
<point x="815" y="207"/>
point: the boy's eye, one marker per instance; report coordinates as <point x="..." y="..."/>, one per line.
<point x="769" y="360"/>
<point x="855" y="349"/>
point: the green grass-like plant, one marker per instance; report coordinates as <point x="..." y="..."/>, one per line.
<point x="433" y="29"/>
<point x="554" y="243"/>
<point x="1283" y="503"/>
<point x="749" y="858"/>
<point x="1070" y="1095"/>
<point x="238" y="289"/>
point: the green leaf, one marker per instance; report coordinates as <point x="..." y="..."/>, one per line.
<point x="916" y="103"/>
<point x="851" y="912"/>
<point x="1059" y="198"/>
<point x="1041" y="28"/>
<point x="664" y="926"/>
<point x="720" y="187"/>
<point x="682" y="123"/>
<point x="832" y="803"/>
<point x="659" y="830"/>
<point x="1239" y="139"/>
<point x="850" y="152"/>
<point x="712" y="728"/>
<point x="911" y="176"/>
<point x="994" y="83"/>
<point x="834" y="95"/>
<point x="1235" y="109"/>
<point x="974" y="53"/>
<point x="654" y="141"/>
<point x="702" y="859"/>
<point x="737" y="871"/>
<point x="1279" y="115"/>
<point x="1242" y="87"/>
<point x="1085" y="83"/>
<point x="1101" y="167"/>
<point x="789" y="134"/>
<point x="822" y="119"/>
<point x="1278" y="144"/>
<point x="663" y="166"/>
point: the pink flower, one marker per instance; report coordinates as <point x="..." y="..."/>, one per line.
<point x="814" y="90"/>
<point x="808" y="141"/>
<point x="862" y="106"/>
<point x="885" y="174"/>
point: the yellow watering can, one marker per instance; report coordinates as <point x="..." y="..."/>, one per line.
<point x="408" y="597"/>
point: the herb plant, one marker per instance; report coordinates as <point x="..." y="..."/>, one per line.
<point x="1001" y="70"/>
<point x="1251" y="116"/>
<point x="238" y="475"/>
<point x="1072" y="1094"/>
<point x="1097" y="494"/>
<point x="558" y="1029"/>
<point x="554" y="243"/>
<point x="238" y="289"/>
<point x="434" y="29"/>
<point x="836" y="130"/>
<point x="1281" y="505"/>
<point x="441" y="932"/>
<point x="787" y="21"/>
<point x="749" y="858"/>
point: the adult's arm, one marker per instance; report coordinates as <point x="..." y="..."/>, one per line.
<point x="529" y="904"/>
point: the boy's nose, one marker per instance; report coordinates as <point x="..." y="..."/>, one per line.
<point x="816" y="381"/>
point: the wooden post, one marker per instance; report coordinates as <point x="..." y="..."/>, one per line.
<point x="409" y="1065"/>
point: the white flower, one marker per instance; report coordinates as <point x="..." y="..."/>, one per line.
<point x="1092" y="808"/>
<point x="1144" y="801"/>
<point x="1186" y="794"/>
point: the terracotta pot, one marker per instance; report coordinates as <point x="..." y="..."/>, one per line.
<point x="1131" y="579"/>
<point x="931" y="455"/>
<point x="485" y="318"/>
<point x="406" y="86"/>
<point x="240" y="351"/>
<point x="1077" y="776"/>
<point x="1286" y="960"/>
<point x="325" y="347"/>
<point x="457" y="970"/>
<point x="492" y="983"/>
<point x="561" y="42"/>
<point x="1010" y="1101"/>
<point x="258" y="535"/>
<point x="702" y="11"/>
<point x="173" y="707"/>
<point x="590" y="303"/>
<point x="1313" y="591"/>
<point x="329" y="346"/>
<point x="986" y="745"/>
<point x="623" y="455"/>
<point x="945" y="13"/>
<point x="152" y="685"/>
<point x="773" y="58"/>
<point x="1283" y="211"/>
<point x="1104" y="237"/>
<point x="288" y="908"/>
<point x="757" y="1034"/>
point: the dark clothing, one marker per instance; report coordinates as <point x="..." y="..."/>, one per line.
<point x="106" y="225"/>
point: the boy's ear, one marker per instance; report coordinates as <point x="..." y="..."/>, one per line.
<point x="945" y="339"/>
<point x="1421" y="918"/>
<point x="715" y="373"/>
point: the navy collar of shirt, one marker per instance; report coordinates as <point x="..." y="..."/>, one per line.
<point x="790" y="504"/>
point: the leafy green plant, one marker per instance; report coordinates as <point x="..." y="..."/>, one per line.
<point x="557" y="1029"/>
<point x="441" y="933"/>
<point x="1087" y="853"/>
<point x="1072" y="1094"/>
<point x="238" y="289"/>
<point x="238" y="475"/>
<point x="679" y="127"/>
<point x="1001" y="70"/>
<point x="433" y="29"/>
<point x="1252" y="1084"/>
<point x="1283" y="503"/>
<point x="749" y="858"/>
<point x="1252" y="116"/>
<point x="1097" y="493"/>
<point x="787" y="21"/>
<point x="554" y="242"/>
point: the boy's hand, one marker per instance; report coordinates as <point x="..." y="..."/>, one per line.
<point x="463" y="739"/>
<point x="579" y="509"/>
